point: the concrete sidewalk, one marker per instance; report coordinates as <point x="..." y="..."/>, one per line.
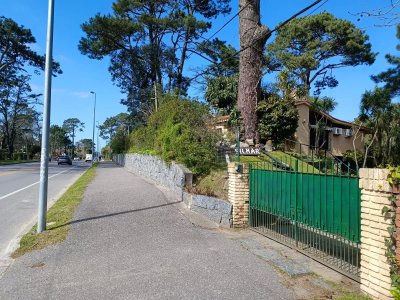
<point x="132" y="240"/>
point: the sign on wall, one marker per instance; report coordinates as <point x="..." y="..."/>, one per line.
<point x="249" y="151"/>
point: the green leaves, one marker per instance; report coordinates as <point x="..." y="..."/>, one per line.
<point x="277" y="119"/>
<point x="312" y="46"/>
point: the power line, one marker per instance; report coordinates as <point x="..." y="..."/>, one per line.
<point x="270" y="32"/>
<point x="219" y="30"/>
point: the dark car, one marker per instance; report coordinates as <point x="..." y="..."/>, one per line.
<point x="64" y="159"/>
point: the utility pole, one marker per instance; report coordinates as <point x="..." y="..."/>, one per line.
<point x="44" y="159"/>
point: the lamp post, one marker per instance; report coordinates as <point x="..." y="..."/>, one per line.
<point x="44" y="159"/>
<point x="94" y="121"/>
<point x="97" y="143"/>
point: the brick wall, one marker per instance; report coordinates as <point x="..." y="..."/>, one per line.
<point x="238" y="194"/>
<point x="397" y="194"/>
<point x="375" y="269"/>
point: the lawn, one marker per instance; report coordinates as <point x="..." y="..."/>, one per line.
<point x="13" y="162"/>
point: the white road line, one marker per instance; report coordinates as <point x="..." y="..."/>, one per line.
<point x="31" y="185"/>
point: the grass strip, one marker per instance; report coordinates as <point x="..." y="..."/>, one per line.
<point x="14" y="162"/>
<point x="59" y="218"/>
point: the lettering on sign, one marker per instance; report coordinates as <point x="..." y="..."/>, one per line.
<point x="249" y="151"/>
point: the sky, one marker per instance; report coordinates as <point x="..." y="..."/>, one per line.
<point x="71" y="97"/>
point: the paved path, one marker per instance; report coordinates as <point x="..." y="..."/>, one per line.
<point x="131" y="241"/>
<point x="128" y="242"/>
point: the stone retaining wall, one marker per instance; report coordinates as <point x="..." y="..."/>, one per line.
<point x="176" y="177"/>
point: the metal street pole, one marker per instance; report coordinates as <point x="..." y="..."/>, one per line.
<point x="44" y="159"/>
<point x="94" y="121"/>
<point x="97" y="144"/>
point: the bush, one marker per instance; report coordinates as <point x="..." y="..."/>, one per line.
<point x="178" y="132"/>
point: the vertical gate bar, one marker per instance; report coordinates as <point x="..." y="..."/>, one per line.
<point x="296" y="228"/>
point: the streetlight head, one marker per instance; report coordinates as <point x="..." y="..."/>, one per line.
<point x="92" y="92"/>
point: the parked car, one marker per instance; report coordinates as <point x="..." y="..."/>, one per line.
<point x="64" y="159"/>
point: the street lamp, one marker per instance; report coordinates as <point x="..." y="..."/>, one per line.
<point x="94" y="121"/>
<point x="44" y="159"/>
<point x="97" y="143"/>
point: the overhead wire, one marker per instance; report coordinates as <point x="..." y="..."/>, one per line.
<point x="270" y="32"/>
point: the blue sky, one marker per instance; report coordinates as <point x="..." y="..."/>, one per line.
<point x="71" y="96"/>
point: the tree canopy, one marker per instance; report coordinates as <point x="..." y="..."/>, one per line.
<point x="148" y="43"/>
<point x="310" y="48"/>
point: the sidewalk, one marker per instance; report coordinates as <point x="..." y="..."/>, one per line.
<point x="132" y="240"/>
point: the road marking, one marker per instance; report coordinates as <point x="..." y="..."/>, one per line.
<point x="31" y="185"/>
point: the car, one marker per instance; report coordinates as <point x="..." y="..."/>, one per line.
<point x="64" y="159"/>
<point x="88" y="157"/>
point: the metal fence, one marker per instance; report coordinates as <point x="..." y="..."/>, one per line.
<point x="314" y="207"/>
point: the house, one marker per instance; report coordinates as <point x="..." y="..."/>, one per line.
<point x="221" y="125"/>
<point x="317" y="129"/>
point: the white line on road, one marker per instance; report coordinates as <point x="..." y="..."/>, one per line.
<point x="27" y="187"/>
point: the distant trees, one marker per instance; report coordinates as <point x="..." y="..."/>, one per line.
<point x="149" y="43"/>
<point x="382" y="114"/>
<point x="58" y="139"/>
<point x="121" y="121"/>
<point x="17" y="101"/>
<point x="70" y="126"/>
<point x="310" y="48"/>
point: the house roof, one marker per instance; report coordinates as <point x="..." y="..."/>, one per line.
<point x="222" y="119"/>
<point x="332" y="119"/>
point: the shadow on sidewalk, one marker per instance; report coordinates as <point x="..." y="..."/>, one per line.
<point x="116" y="214"/>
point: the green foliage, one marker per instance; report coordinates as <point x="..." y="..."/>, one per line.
<point x="311" y="47"/>
<point x="15" y="51"/>
<point x="381" y="114"/>
<point x="390" y="244"/>
<point x="148" y="43"/>
<point x="394" y="175"/>
<point x="178" y="131"/>
<point x="277" y="119"/>
<point x="112" y="124"/>
<point x="221" y="93"/>
<point x="120" y="142"/>
<point x="391" y="77"/>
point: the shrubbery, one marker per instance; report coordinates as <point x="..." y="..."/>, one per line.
<point x="178" y="131"/>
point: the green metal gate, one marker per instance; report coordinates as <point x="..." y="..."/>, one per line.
<point x="316" y="210"/>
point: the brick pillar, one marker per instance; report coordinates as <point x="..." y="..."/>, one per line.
<point x="238" y="194"/>
<point x="375" y="269"/>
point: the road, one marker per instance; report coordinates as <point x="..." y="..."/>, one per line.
<point x="19" y="193"/>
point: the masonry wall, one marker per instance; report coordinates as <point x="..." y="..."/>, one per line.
<point x="397" y="195"/>
<point x="176" y="178"/>
<point x="238" y="194"/>
<point x="375" y="269"/>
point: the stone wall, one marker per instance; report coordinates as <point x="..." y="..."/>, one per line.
<point x="176" y="177"/>
<point x="238" y="194"/>
<point x="214" y="209"/>
<point x="375" y="268"/>
<point x="173" y="176"/>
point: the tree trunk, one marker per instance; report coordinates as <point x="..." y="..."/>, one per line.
<point x="253" y="37"/>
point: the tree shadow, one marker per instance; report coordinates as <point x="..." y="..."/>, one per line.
<point x="114" y="214"/>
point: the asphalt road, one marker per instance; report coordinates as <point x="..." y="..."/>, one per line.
<point x="19" y="193"/>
